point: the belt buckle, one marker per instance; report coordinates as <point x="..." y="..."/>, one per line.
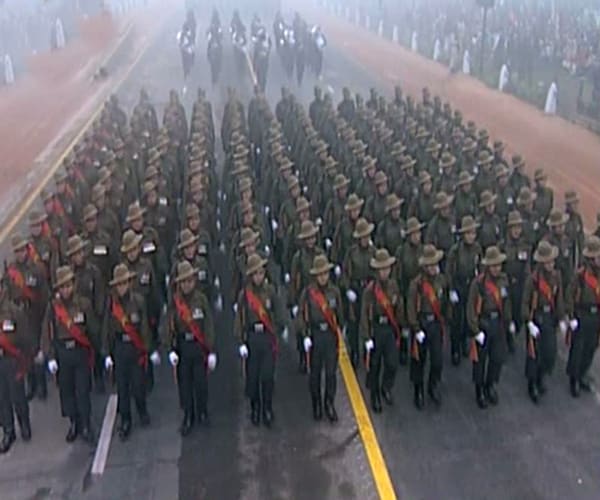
<point x="429" y="318"/>
<point x="494" y="315"/>
<point x="259" y="328"/>
<point x="383" y="320"/>
<point x="69" y="344"/>
<point x="188" y="336"/>
<point x="126" y="338"/>
<point x="323" y="327"/>
<point x="593" y="309"/>
<point x="546" y="309"/>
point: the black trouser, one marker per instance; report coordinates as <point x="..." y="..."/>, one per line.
<point x="191" y="377"/>
<point x="540" y="362"/>
<point x="352" y="325"/>
<point x="36" y="377"/>
<point x="74" y="381"/>
<point x="386" y="354"/>
<point x="12" y="395"/>
<point x="492" y="354"/>
<point x="459" y="330"/>
<point x="323" y="355"/>
<point x="130" y="376"/>
<point x="432" y="345"/>
<point x="584" y="343"/>
<point x="260" y="368"/>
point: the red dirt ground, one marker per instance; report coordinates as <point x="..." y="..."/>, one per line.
<point x="569" y="153"/>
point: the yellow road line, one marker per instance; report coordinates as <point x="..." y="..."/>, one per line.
<point x="379" y="468"/>
<point x="10" y="225"/>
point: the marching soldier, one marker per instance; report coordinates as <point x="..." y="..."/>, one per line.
<point x="69" y="330"/>
<point x="422" y="205"/>
<point x="191" y="342"/>
<point x="334" y="209"/>
<point x="490" y="225"/>
<point x="543" y="309"/>
<point x="380" y="319"/>
<point x="42" y="248"/>
<point x="489" y="315"/>
<point x="441" y="228"/>
<point x="465" y="200"/>
<point x="102" y="253"/>
<point x="342" y="237"/>
<point x="505" y="201"/>
<point x="259" y="318"/>
<point x="427" y="310"/>
<point x="320" y="322"/>
<point x="544" y="200"/>
<point x="126" y="342"/>
<point x="375" y="208"/>
<point x="391" y="230"/>
<point x="557" y="237"/>
<point x="583" y="301"/>
<point x="574" y="228"/>
<point x="189" y="250"/>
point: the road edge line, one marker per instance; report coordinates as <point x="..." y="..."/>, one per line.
<point x="103" y="447"/>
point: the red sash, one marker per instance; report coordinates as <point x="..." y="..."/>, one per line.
<point x="386" y="305"/>
<point x="18" y="280"/>
<point x="257" y="307"/>
<point x="321" y="302"/>
<point x="12" y="350"/>
<point x="494" y="291"/>
<point x="136" y="339"/>
<point x="545" y="289"/>
<point x="592" y="282"/>
<point x="63" y="317"/>
<point x="185" y="315"/>
<point x="33" y="254"/>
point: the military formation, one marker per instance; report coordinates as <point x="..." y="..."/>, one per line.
<point x="385" y="227"/>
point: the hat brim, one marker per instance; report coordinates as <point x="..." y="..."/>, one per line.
<point x="446" y="203"/>
<point x="471" y="227"/>
<point x="138" y="215"/>
<point x="358" y="204"/>
<point x="136" y="242"/>
<point x="189" y="274"/>
<point x="72" y="251"/>
<point x="376" y="264"/>
<point x="489" y="201"/>
<point x="363" y="234"/>
<point x="122" y="279"/>
<point x="315" y="271"/>
<point x="433" y="260"/>
<point x="500" y="259"/>
<point x="261" y="265"/>
<point x="542" y="259"/>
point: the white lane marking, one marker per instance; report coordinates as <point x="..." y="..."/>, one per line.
<point x="105" y="436"/>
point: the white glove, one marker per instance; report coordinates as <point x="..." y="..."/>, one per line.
<point x="351" y="294"/>
<point x="563" y="325"/>
<point x="167" y="280"/>
<point x="287" y="278"/>
<point x="39" y="358"/>
<point x="305" y="189"/>
<point x="52" y="366"/>
<point x="328" y="243"/>
<point x="267" y="250"/>
<point x="274" y="225"/>
<point x="307" y="344"/>
<point x="108" y="363"/>
<point x="222" y="248"/>
<point x="480" y="338"/>
<point x="220" y="194"/>
<point x="285" y="334"/>
<point x="294" y="311"/>
<point x="173" y="358"/>
<point x="155" y="358"/>
<point x="218" y="225"/>
<point x="319" y="221"/>
<point x="574" y="324"/>
<point x="267" y="210"/>
<point x="217" y="282"/>
<point x="337" y="271"/>
<point x="219" y="303"/>
<point x="243" y="350"/>
<point x="369" y="345"/>
<point x="211" y="362"/>
<point x="534" y="330"/>
<point x="405" y="333"/>
<point x="420" y="336"/>
<point x="235" y="308"/>
<point x="454" y="297"/>
<point x="512" y="328"/>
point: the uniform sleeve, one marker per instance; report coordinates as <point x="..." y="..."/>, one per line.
<point x="93" y="325"/>
<point x="526" y="303"/>
<point x="303" y="322"/>
<point x="473" y="303"/>
<point x="451" y="265"/>
<point x="573" y="289"/>
<point x="347" y="270"/>
<point x="560" y="299"/>
<point x="239" y="322"/>
<point x="411" y="305"/>
<point x="209" y="324"/>
<point x="99" y="293"/>
<point x="430" y="233"/>
<point x="106" y="334"/>
<point x="48" y="333"/>
<point x="145" y="325"/>
<point x="365" y="313"/>
<point x="339" y="309"/>
<point x="509" y="307"/>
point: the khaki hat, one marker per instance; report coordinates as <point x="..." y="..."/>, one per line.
<point x="468" y="223"/>
<point x="75" y="244"/>
<point x="545" y="252"/>
<point x="340" y="181"/>
<point x="248" y="237"/>
<point x="571" y="197"/>
<point x="286" y="164"/>
<point x="493" y="256"/>
<point x="398" y="149"/>
<point x="292" y="182"/>
<point x="308" y="229"/>
<point x="380" y="177"/>
<point x="498" y="146"/>
<point x="486" y="198"/>
<point x="191" y="211"/>
<point x="501" y="171"/>
<point x="432" y="146"/>
<point x="104" y="174"/>
<point x="540" y="175"/>
<point x="130" y="241"/>
<point x="526" y="196"/>
<point x="413" y="225"/>
<point x="369" y="162"/>
<point x="430" y="256"/>
<point x="245" y="184"/>
<point x="392" y="202"/>
<point x="320" y="265"/>
<point x="89" y="212"/>
<point x="246" y="207"/>
<point x="240" y="167"/>
<point x="557" y="218"/>
<point x="363" y="228"/>
<point x="422" y="132"/>
<point x="382" y="259"/>
<point x="518" y="161"/>
<point x="98" y="191"/>
<point x="255" y="263"/>
<point x="442" y="200"/>
<point x="186" y="239"/>
<point x="424" y="177"/>
<point x="302" y="204"/>
<point x="514" y="219"/>
<point x="151" y="172"/>
<point x="64" y="275"/>
<point x="18" y="242"/>
<point x="447" y="160"/>
<point x="591" y="247"/>
<point x="330" y="164"/>
<point x="359" y="146"/>
<point x="485" y="158"/>
<point x="134" y="212"/>
<point x="36" y="217"/>
<point x="149" y="186"/>
<point x="407" y="162"/>
<point x="469" y="145"/>
<point x="354" y="202"/>
<point x="121" y="274"/>
<point x="464" y="178"/>
<point x="184" y="271"/>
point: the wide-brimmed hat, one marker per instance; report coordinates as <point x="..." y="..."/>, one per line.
<point x="292" y="182"/>
<point x="502" y="171"/>
<point x="363" y="228"/>
<point x="591" y="247"/>
<point x="442" y="200"/>
<point x="430" y="256"/>
<point x="526" y="196"/>
<point x="191" y="211"/>
<point x="464" y="178"/>
<point x="540" y="175"/>
<point x="447" y="160"/>
<point x="493" y="256"/>
<point x="518" y="161"/>
<point x="571" y="197"/>
<point x="36" y="217"/>
<point x="75" y="244"/>
<point x="130" y="241"/>
<point x="104" y="174"/>
<point x="185" y="270"/>
<point x="186" y="238"/>
<point x="18" y="242"/>
<point x="407" y="162"/>
<point x="380" y="178"/>
<point x="134" y="212"/>
<point x="308" y="229"/>
<point x="485" y="157"/>
<point x="121" y="274"/>
<point x="514" y="219"/>
<point x="468" y="223"/>
<point x="557" y="218"/>
<point x="487" y="198"/>
<point x="354" y="202"/>
<point x="244" y="184"/>
<point x="382" y="259"/>
<point x="320" y="265"/>
<point x="392" y="202"/>
<point x="422" y="132"/>
<point x="248" y="237"/>
<point x="239" y="167"/>
<point x="340" y="181"/>
<point x="285" y="164"/>
<point x="255" y="263"/>
<point x="369" y="162"/>
<point x="469" y="145"/>
<point x="545" y="252"/>
<point x="413" y="225"/>
<point x="398" y="149"/>
<point x="64" y="275"/>
<point x="302" y="204"/>
<point x="432" y="146"/>
<point x="149" y="186"/>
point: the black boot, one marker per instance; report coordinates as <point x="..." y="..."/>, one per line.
<point x="585" y="385"/>
<point x="301" y="362"/>
<point x="434" y="393"/>
<point x="574" y="387"/>
<point x="533" y="392"/>
<point x="267" y="414"/>
<point x="255" y="414"/>
<point x="541" y="387"/>
<point x="40" y="376"/>
<point x="7" y="441"/>
<point x="317" y="408"/>
<point x="480" y="396"/>
<point x="456" y="357"/>
<point x="510" y="340"/>
<point x="330" y="411"/>
<point x="31" y="384"/>
<point x="73" y="431"/>
<point x="464" y="349"/>
<point x="203" y="417"/>
<point x="419" y="398"/>
<point x="375" y="401"/>
<point x="87" y="434"/>
<point x="124" y="428"/>
<point x="403" y="354"/>
<point x="186" y="425"/>
<point x="387" y="396"/>
<point x="25" y="426"/>
<point x="491" y="395"/>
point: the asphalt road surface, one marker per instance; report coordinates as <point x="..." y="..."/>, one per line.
<point x="514" y="451"/>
